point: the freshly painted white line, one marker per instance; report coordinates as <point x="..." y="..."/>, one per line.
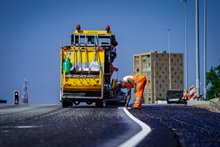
<point x="137" y="138"/>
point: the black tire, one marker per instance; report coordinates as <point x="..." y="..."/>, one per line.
<point x="76" y="102"/>
<point x="65" y="104"/>
<point x="70" y="104"/>
<point x="89" y="103"/>
<point x="99" y="104"/>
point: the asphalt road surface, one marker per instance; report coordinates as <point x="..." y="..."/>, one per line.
<point x="193" y="127"/>
<point x="51" y="125"/>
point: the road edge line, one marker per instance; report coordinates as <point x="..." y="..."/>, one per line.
<point x="137" y="138"/>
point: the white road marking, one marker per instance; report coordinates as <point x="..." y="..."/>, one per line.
<point x="137" y="138"/>
<point x="19" y="127"/>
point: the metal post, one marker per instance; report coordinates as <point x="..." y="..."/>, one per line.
<point x="169" y="44"/>
<point x="186" y="46"/>
<point x="197" y="48"/>
<point x="205" y="47"/>
<point x="60" y="43"/>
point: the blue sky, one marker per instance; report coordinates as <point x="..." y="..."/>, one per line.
<point x="31" y="31"/>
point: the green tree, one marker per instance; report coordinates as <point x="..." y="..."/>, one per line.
<point x="213" y="82"/>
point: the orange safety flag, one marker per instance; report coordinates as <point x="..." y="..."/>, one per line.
<point x="140" y="82"/>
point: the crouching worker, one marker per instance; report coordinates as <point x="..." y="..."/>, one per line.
<point x="137" y="82"/>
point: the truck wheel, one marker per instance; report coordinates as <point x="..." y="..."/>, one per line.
<point x="76" y="102"/>
<point x="70" y="103"/>
<point x="65" y="104"/>
<point x="99" y="104"/>
<point x="89" y="103"/>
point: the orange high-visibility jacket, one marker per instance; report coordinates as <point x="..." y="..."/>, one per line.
<point x="140" y="82"/>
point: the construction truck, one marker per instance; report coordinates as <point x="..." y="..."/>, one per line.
<point x="86" y="68"/>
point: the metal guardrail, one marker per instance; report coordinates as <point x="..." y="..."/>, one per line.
<point x="215" y="105"/>
<point x="3" y="101"/>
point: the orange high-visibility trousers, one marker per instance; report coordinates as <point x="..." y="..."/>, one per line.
<point x="140" y="82"/>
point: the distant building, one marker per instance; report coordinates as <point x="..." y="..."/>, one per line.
<point x="155" y="66"/>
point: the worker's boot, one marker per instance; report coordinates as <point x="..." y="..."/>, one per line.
<point x="138" y="103"/>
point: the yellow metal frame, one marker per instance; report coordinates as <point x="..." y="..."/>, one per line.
<point x="92" y="32"/>
<point x="82" y="83"/>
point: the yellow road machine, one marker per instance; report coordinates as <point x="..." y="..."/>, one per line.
<point x="86" y="68"/>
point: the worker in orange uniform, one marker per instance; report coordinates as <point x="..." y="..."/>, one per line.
<point x="137" y="82"/>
